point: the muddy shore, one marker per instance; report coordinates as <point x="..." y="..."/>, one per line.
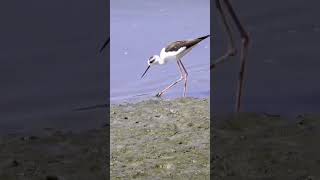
<point x="263" y="146"/>
<point x="158" y="139"/>
<point x="54" y="155"/>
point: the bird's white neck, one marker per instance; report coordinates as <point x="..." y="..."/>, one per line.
<point x="159" y="60"/>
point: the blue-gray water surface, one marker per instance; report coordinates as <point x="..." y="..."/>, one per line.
<point x="282" y="74"/>
<point x="50" y="64"/>
<point x="140" y="29"/>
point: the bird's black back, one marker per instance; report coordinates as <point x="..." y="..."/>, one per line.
<point x="175" y="46"/>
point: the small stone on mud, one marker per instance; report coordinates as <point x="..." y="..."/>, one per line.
<point x="159" y="166"/>
<point x="15" y="163"/>
<point x="190" y="124"/>
<point x="52" y="178"/>
<point x="169" y="166"/>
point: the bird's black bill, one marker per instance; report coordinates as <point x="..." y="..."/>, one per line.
<point x="145" y="71"/>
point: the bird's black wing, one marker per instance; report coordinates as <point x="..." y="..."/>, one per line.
<point x="175" y="46"/>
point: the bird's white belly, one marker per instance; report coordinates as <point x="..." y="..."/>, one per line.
<point x="170" y="59"/>
<point x="169" y="56"/>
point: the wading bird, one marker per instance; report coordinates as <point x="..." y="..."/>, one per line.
<point x="225" y="8"/>
<point x="175" y="52"/>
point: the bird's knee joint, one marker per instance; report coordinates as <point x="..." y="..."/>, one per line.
<point x="241" y="73"/>
<point x="245" y="40"/>
<point x="233" y="52"/>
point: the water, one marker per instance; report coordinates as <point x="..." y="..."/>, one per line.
<point x="141" y="28"/>
<point x="283" y="64"/>
<point x="50" y="64"/>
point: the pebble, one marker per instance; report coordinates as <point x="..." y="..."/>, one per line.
<point x="14" y="163"/>
<point x="190" y="124"/>
<point x="52" y="177"/>
<point x="169" y="166"/>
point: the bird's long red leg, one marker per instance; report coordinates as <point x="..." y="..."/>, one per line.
<point x="244" y="51"/>
<point x="231" y="49"/>
<point x="185" y="79"/>
<point x="174" y="83"/>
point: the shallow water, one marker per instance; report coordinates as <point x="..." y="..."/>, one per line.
<point x="282" y="74"/>
<point x="140" y="29"/>
<point x="50" y="64"/>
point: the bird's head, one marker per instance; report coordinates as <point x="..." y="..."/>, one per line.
<point x="153" y="60"/>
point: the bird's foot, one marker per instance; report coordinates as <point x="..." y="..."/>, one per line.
<point x="184" y="93"/>
<point x="158" y="94"/>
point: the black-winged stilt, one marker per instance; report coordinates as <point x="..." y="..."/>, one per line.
<point x="174" y="52"/>
<point x="224" y="7"/>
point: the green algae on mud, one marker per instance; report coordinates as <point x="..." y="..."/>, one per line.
<point x="159" y="139"/>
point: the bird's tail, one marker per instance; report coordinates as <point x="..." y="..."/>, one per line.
<point x="203" y="37"/>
